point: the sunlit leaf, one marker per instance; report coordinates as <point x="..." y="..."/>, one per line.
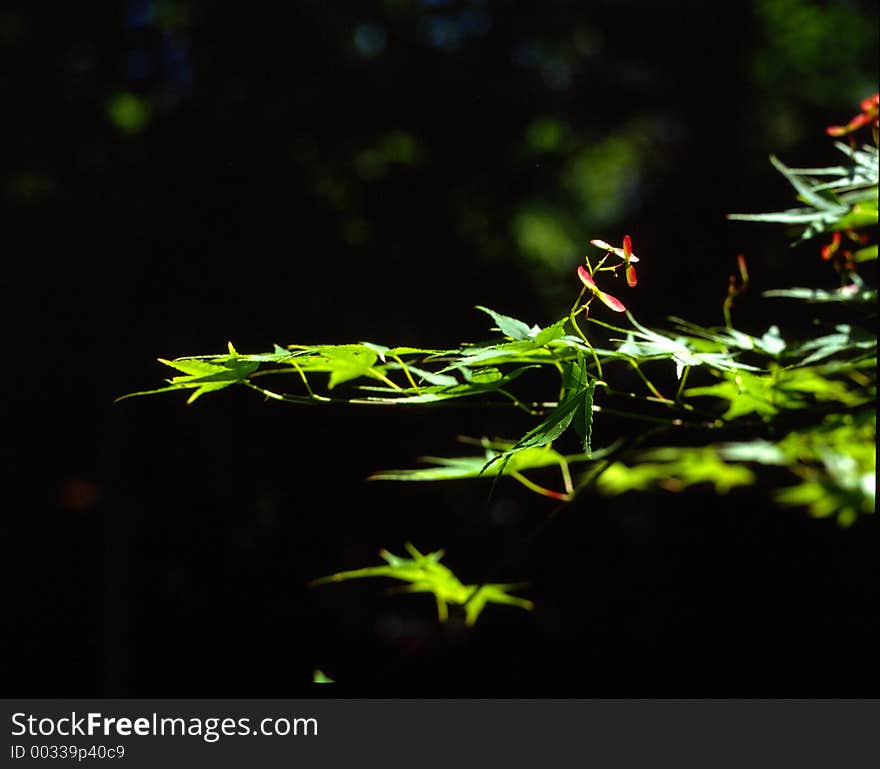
<point x="583" y="417"/>
<point x="865" y="254"/>
<point x="471" y="356"/>
<point x="558" y="420"/>
<point x="674" y="469"/>
<point x="202" y="376"/>
<point x="432" y="377"/>
<point x="550" y="334"/>
<point x="818" y="295"/>
<point x="849" y="201"/>
<point x="760" y="451"/>
<point x="845" y="339"/>
<point x="806" y="192"/>
<point x="319" y="677"/>
<point x="425" y="574"/>
<point x="435" y="394"/>
<point x="458" y="468"/>
<point x="510" y="327"/>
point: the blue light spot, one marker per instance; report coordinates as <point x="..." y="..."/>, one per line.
<point x="557" y="74"/>
<point x="440" y="33"/>
<point x="525" y="56"/>
<point x="137" y="65"/>
<point x="370" y="39"/>
<point x="139" y="13"/>
<point x="475" y="22"/>
<point x="178" y="69"/>
<point x="83" y="57"/>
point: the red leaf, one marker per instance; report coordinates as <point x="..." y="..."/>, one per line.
<point x="627" y="247"/>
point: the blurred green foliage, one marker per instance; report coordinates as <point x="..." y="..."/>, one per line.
<point x="813" y="51"/>
<point x="394" y="148"/>
<point x="596" y="127"/>
<point x="128" y="112"/>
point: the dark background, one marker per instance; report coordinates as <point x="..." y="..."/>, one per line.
<point x="177" y="174"/>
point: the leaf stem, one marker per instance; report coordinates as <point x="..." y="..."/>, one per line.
<point x="301" y="399"/>
<point x="532" y="486"/>
<point x="566" y="475"/>
<point x="577" y="328"/>
<point x="681" y="384"/>
<point x="382" y="378"/>
<point x="518" y="403"/>
<point x="648" y="383"/>
<point x="406" y="372"/>
<point x="302" y="375"/>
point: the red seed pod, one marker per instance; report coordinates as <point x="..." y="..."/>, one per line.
<point x="586" y="278"/>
